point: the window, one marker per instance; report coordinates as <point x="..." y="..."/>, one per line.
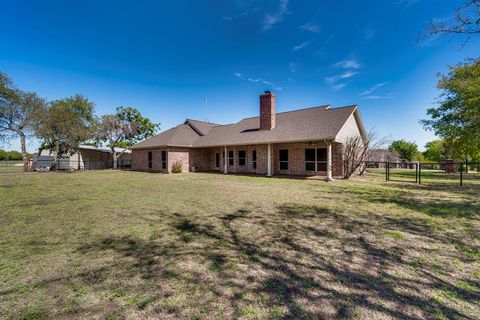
<point x="150" y="159"/>
<point x="316" y="159"/>
<point x="164" y="159"/>
<point x="217" y="160"/>
<point x="283" y="156"/>
<point x="254" y="159"/>
<point x="242" y="155"/>
<point x="230" y="158"/>
<point x="321" y="159"/>
<point x="309" y="159"/>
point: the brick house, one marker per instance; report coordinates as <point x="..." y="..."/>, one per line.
<point x="305" y="142"/>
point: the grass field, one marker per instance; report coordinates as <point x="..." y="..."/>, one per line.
<point x="131" y="245"/>
<point x="11" y="166"/>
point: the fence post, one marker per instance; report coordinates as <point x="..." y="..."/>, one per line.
<point x="466" y="166"/>
<point x="419" y="173"/>
<point x="386" y="171"/>
<point x="461" y="174"/>
<point x="416" y="172"/>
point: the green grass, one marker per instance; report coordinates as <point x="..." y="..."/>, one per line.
<point x="11" y="166"/>
<point x="114" y="245"/>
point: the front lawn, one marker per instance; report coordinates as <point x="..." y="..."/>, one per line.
<point x="130" y="245"/>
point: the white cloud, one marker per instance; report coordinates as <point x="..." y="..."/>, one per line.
<point x="293" y="67"/>
<point x="348" y="74"/>
<point x="335" y="78"/>
<point x="368" y="34"/>
<point x="310" y="27"/>
<point x="372" y="89"/>
<point x="301" y="46"/>
<point x="348" y="64"/>
<point x="257" y="81"/>
<point x="339" y="86"/>
<point x="376" y="97"/>
<point x="273" y="18"/>
<point x="240" y="15"/>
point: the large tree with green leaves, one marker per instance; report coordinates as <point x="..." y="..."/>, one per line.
<point x="66" y="123"/>
<point x="457" y="117"/>
<point x="123" y="129"/>
<point x="19" y="113"/>
<point x="405" y="149"/>
<point x="434" y="151"/>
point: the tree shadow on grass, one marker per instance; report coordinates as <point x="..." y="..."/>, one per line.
<point x="305" y="262"/>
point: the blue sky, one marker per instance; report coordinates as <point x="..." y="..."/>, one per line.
<point x="165" y="57"/>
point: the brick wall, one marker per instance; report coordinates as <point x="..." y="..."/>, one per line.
<point x="181" y="155"/>
<point x="296" y="158"/>
<point x="140" y="160"/>
<point x="204" y="159"/>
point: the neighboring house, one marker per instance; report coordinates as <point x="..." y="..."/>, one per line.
<point x="90" y="158"/>
<point x="378" y="158"/>
<point x="301" y="142"/>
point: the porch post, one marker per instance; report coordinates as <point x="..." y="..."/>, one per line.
<point x="269" y="160"/>
<point x="329" y="162"/>
<point x="225" y="161"/>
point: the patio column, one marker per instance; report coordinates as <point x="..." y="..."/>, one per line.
<point x="225" y="161"/>
<point x="329" y="162"/>
<point x="269" y="160"/>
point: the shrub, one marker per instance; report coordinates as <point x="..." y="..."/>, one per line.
<point x="177" y="167"/>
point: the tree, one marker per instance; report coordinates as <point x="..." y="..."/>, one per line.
<point x="123" y="129"/>
<point x="456" y="118"/>
<point x="19" y="113"/>
<point x="3" y="155"/>
<point x="406" y="150"/>
<point x="466" y="22"/>
<point x="434" y="151"/>
<point x="357" y="151"/>
<point x="66" y="123"/>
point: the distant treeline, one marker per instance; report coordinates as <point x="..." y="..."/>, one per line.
<point x="10" y="155"/>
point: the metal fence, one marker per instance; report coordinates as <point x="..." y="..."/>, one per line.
<point x="11" y="166"/>
<point x="47" y="164"/>
<point x="429" y="172"/>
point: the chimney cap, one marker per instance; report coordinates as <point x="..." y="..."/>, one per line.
<point x="267" y="92"/>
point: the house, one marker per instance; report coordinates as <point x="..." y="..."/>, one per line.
<point x="378" y="158"/>
<point x="87" y="158"/>
<point x="306" y="142"/>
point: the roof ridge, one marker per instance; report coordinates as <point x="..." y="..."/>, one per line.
<point x="277" y="113"/>
<point x="190" y="119"/>
<point x="344" y="107"/>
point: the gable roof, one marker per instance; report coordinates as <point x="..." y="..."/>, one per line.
<point x="309" y="124"/>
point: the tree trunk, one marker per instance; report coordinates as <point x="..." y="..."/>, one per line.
<point x="23" y="146"/>
<point x="55" y="154"/>
<point x="115" y="160"/>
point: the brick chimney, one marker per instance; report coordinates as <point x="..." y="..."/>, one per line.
<point x="267" y="111"/>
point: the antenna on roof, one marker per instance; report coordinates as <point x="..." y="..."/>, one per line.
<point x="205" y="100"/>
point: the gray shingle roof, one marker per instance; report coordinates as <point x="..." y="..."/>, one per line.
<point x="315" y="123"/>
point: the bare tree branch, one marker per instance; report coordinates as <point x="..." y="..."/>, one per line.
<point x="466" y="22"/>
